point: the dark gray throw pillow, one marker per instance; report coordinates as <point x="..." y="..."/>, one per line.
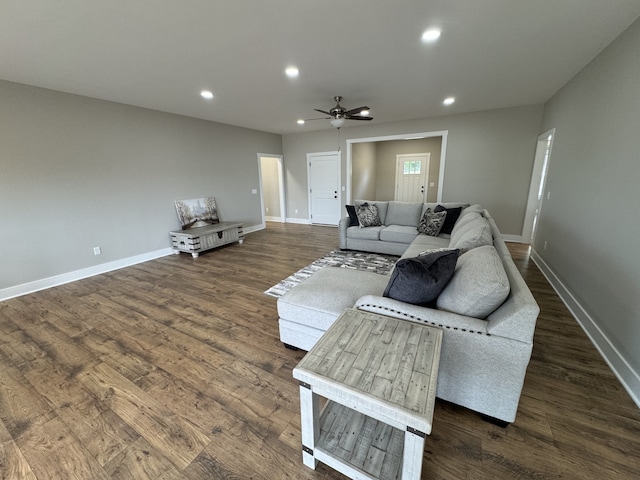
<point x="351" y="210"/>
<point x="419" y="280"/>
<point x="450" y="219"/>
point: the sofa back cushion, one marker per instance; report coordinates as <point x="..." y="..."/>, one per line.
<point x="403" y="213"/>
<point x="479" y="284"/>
<point x="473" y="234"/>
<point x="463" y="220"/>
<point x="381" y="206"/>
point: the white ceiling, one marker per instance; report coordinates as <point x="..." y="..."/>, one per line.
<point x="159" y="54"/>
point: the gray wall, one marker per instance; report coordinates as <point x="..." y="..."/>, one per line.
<point x="591" y="222"/>
<point x="489" y="158"/>
<point x="77" y="172"/>
<point x="364" y="170"/>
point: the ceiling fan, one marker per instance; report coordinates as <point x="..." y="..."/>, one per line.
<point x="338" y="115"/>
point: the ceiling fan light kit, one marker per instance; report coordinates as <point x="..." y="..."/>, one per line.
<point x="337" y="122"/>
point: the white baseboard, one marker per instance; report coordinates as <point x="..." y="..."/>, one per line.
<point x="274" y="219"/>
<point x="512" y="238"/>
<point x="49" y="282"/>
<point x="254" y="228"/>
<point x="44" y="283"/>
<point x="303" y="221"/>
<point x="629" y="378"/>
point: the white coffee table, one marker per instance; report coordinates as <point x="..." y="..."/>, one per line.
<point x="379" y="376"/>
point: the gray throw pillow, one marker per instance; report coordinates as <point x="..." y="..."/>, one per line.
<point x="368" y="215"/>
<point x="419" y="280"/>
<point x="432" y="222"/>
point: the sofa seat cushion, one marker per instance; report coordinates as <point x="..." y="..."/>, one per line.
<point x="366" y="233"/>
<point x="321" y="298"/>
<point x="479" y="284"/>
<point x="403" y="213"/>
<point x="398" y="233"/>
<point x="420" y="245"/>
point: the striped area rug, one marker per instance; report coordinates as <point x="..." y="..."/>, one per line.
<point x="372" y="262"/>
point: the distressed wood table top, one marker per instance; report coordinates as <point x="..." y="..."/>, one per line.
<point x="383" y="367"/>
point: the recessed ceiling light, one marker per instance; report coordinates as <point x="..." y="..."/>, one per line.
<point x="448" y="100"/>
<point x="292" y="72"/>
<point x="300" y="122"/>
<point x="206" y="94"/>
<point x="431" y="35"/>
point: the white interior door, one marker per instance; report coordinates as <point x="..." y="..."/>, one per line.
<point x="536" y="189"/>
<point x="412" y="175"/>
<point x="324" y="190"/>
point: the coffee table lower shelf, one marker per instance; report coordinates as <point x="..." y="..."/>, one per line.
<point x="357" y="445"/>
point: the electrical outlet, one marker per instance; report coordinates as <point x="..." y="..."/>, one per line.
<point x="544" y="247"/>
<point x="267" y="209"/>
<point x="296" y="210"/>
<point x="97" y="251"/>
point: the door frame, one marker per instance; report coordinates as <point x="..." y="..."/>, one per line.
<point x="281" y="199"/>
<point x="403" y="136"/>
<point x="338" y="153"/>
<point x="426" y="172"/>
<point x="538" y="183"/>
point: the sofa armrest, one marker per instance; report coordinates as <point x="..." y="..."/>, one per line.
<point x="344" y="223"/>
<point x="437" y="318"/>
<point x="516" y="317"/>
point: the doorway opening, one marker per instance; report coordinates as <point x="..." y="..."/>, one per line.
<point x="537" y="187"/>
<point x="271" y="172"/>
<point x="357" y="181"/>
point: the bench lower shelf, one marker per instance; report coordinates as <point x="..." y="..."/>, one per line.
<point x="357" y="445"/>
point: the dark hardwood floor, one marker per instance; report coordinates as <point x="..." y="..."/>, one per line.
<point x="172" y="369"/>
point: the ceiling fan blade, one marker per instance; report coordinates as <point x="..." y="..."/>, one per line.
<point x="358" y="117"/>
<point x="354" y="111"/>
<point x="318" y="118"/>
<point x="322" y="111"/>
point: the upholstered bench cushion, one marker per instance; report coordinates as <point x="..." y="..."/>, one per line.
<point x="319" y="300"/>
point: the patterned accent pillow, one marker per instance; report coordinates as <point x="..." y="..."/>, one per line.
<point x="436" y="250"/>
<point x="368" y="216"/>
<point x="432" y="222"/>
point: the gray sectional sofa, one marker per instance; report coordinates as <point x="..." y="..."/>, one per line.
<point x="486" y="310"/>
